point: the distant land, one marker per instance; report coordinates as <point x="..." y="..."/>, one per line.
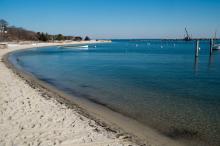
<point x="14" y="33"/>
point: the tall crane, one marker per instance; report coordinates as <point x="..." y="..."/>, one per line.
<point x="187" y="37"/>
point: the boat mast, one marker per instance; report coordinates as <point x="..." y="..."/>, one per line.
<point x="215" y="36"/>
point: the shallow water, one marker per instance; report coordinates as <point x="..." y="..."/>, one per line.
<point x="157" y="82"/>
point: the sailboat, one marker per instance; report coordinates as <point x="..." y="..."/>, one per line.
<point x="216" y="46"/>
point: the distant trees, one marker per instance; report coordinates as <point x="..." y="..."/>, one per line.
<point x="18" y="33"/>
<point x="43" y="36"/>
<point x="59" y="37"/>
<point x="46" y="37"/>
<point x="78" y="38"/>
<point x="12" y="33"/>
<point x="9" y="33"/>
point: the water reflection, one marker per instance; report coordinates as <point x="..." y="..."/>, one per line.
<point x="211" y="61"/>
<point x="196" y="65"/>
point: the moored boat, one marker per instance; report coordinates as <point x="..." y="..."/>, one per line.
<point x="216" y="47"/>
<point x="84" y="47"/>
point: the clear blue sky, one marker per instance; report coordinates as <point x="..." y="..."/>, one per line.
<point x="115" y="18"/>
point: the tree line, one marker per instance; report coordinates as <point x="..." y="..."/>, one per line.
<point x="59" y="37"/>
<point x="13" y="33"/>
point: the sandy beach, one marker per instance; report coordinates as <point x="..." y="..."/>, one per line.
<point x="30" y="117"/>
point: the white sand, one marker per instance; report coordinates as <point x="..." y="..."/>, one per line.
<point x="28" y="118"/>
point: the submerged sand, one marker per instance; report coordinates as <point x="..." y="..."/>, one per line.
<point x="28" y="117"/>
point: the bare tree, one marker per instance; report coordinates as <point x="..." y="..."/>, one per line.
<point x="3" y="29"/>
<point x="3" y="23"/>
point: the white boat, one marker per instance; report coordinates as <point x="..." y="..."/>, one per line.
<point x="85" y="47"/>
<point x="216" y="47"/>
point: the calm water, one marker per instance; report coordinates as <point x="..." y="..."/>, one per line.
<point x="157" y="82"/>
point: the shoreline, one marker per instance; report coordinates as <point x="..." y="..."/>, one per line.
<point x="111" y="121"/>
